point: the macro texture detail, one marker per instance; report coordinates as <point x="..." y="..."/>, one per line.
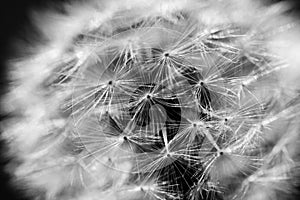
<point x="157" y="100"/>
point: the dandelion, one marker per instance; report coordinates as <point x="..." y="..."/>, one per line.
<point x="158" y="100"/>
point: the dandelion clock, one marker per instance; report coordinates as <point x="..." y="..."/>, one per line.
<point x="155" y="100"/>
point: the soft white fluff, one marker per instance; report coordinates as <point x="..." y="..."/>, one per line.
<point x="45" y="140"/>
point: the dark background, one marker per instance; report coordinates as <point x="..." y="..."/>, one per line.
<point x="15" y="23"/>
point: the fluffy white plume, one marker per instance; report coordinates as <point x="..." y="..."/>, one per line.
<point x="158" y="100"/>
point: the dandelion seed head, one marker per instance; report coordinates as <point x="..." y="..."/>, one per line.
<point x="158" y="100"/>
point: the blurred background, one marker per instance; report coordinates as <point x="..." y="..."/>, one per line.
<point x="16" y="28"/>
